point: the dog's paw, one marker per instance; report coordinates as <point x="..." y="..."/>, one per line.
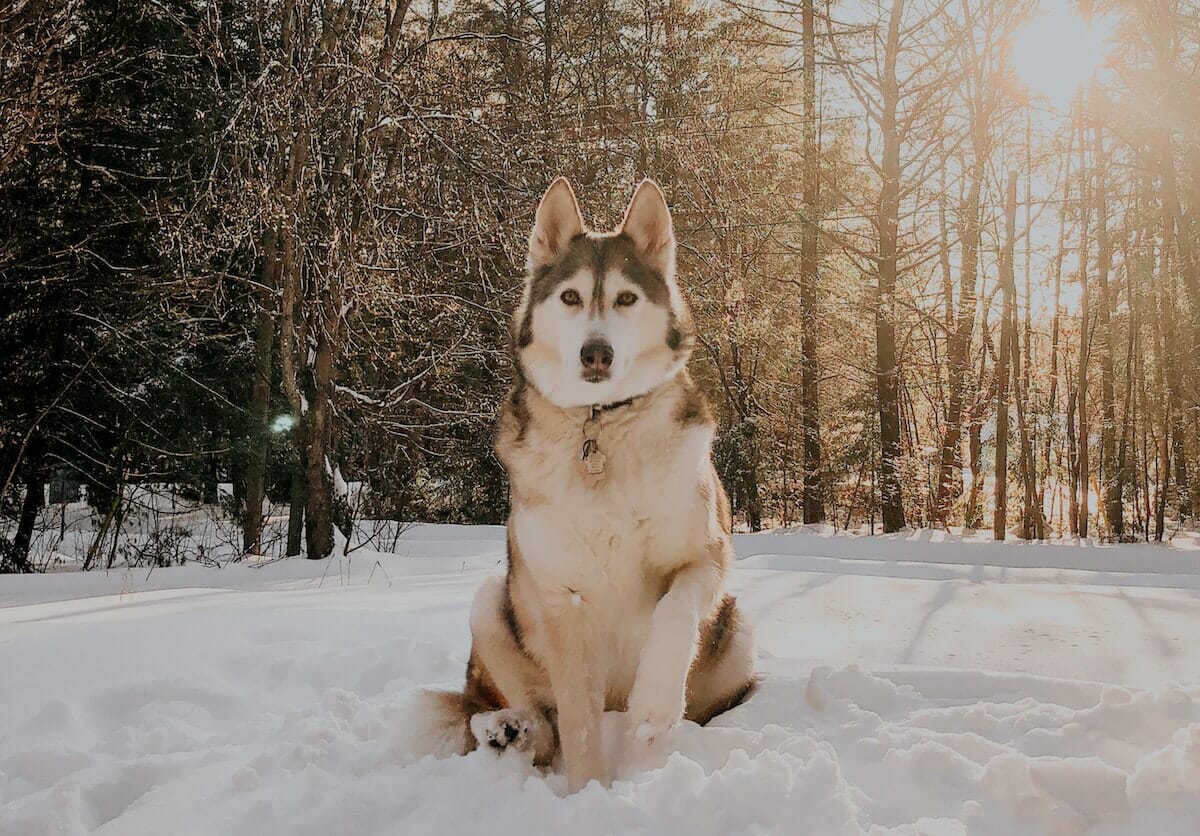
<point x="649" y="729"/>
<point x="647" y="732"/>
<point x="648" y="723"/>
<point x="509" y="730"/>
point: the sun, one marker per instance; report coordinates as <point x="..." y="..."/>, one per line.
<point x="1056" y="51"/>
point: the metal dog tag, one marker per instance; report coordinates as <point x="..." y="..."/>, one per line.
<point x="593" y="459"/>
<point x="595" y="462"/>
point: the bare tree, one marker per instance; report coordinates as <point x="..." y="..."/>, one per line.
<point x="810" y="370"/>
<point x="903" y="84"/>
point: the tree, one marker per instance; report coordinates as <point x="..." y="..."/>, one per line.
<point x="902" y="83"/>
<point x="810" y="370"/>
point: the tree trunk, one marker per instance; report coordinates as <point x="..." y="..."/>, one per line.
<point x="949" y="485"/>
<point x="1056" y="319"/>
<point x="1165" y="387"/>
<point x="973" y="513"/>
<point x="1084" y="345"/>
<point x="296" y="500"/>
<point x="1112" y="485"/>
<point x="550" y="21"/>
<point x="950" y="468"/>
<point x="118" y="521"/>
<point x="1131" y="415"/>
<point x="1007" y="323"/>
<point x="291" y="345"/>
<point x="1073" y="463"/>
<point x="1178" y="433"/>
<point x="888" y="222"/>
<point x="30" y="506"/>
<point x="318" y="507"/>
<point x="1175" y="242"/>
<point x="260" y="403"/>
<point x="814" y="508"/>
<point x="750" y="477"/>
<point x="947" y="271"/>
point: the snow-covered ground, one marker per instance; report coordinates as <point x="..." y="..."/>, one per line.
<point x="910" y="686"/>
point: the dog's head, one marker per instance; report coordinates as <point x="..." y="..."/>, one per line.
<point x="602" y="319"/>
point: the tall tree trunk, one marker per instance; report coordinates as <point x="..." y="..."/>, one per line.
<point x="1056" y="318"/>
<point x="750" y="477"/>
<point x="550" y="21"/>
<point x="30" y="506"/>
<point x="1175" y="243"/>
<point x="814" y="508"/>
<point x="1131" y="414"/>
<point x="318" y="507"/>
<point x="1112" y="486"/>
<point x="260" y="401"/>
<point x="888" y="222"/>
<point x="973" y="513"/>
<point x="1084" y="341"/>
<point x="1033" y="518"/>
<point x="89" y="559"/>
<point x="1186" y="260"/>
<point x="292" y="344"/>
<point x="118" y="521"/>
<point x="959" y="360"/>
<point x="944" y="265"/>
<point x="1073" y="462"/>
<point x="297" y="499"/>
<point x="1008" y="320"/>
<point x="1178" y="432"/>
<point x="979" y="84"/>
<point x="1165" y="384"/>
<point x="1178" y="250"/>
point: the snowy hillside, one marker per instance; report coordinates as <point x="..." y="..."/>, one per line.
<point x="910" y="686"/>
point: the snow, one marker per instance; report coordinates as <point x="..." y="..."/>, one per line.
<point x="913" y="683"/>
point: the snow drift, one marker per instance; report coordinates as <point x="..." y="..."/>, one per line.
<point x="910" y="686"/>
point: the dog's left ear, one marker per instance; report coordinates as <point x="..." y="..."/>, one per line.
<point x="648" y="223"/>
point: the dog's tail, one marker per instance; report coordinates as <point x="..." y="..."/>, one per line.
<point x="438" y="724"/>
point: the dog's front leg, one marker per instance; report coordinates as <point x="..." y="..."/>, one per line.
<point x="659" y="689"/>
<point x="578" y="686"/>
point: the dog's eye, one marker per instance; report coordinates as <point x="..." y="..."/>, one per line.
<point x="625" y="299"/>
<point x="570" y="297"/>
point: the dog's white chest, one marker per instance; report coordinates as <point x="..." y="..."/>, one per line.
<point x="603" y="515"/>
<point x="611" y="527"/>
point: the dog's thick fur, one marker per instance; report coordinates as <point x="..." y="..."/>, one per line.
<point x="613" y="599"/>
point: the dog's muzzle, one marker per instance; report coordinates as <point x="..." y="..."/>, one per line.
<point x="596" y="357"/>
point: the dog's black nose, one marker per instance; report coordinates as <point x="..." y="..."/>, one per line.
<point x="596" y="356"/>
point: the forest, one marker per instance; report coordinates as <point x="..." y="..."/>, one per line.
<point x="261" y="256"/>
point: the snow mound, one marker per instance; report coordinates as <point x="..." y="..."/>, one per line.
<point x="290" y="699"/>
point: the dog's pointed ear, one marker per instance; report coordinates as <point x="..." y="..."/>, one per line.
<point x="648" y="223"/>
<point x="556" y="222"/>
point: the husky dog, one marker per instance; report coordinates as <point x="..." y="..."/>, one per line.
<point x="619" y="536"/>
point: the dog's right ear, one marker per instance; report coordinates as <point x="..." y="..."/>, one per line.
<point x="557" y="221"/>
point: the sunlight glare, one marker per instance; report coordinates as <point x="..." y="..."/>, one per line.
<point x="1056" y="52"/>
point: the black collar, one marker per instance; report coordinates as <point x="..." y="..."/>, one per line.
<point x="597" y="408"/>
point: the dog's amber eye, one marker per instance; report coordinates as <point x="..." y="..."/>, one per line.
<point x="625" y="299"/>
<point x="570" y="297"/>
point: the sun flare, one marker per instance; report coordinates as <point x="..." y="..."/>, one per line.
<point x="1056" y="52"/>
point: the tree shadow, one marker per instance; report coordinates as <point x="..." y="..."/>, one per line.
<point x="944" y="596"/>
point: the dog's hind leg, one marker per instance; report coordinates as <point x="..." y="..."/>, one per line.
<point x="503" y="695"/>
<point x="722" y="675"/>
